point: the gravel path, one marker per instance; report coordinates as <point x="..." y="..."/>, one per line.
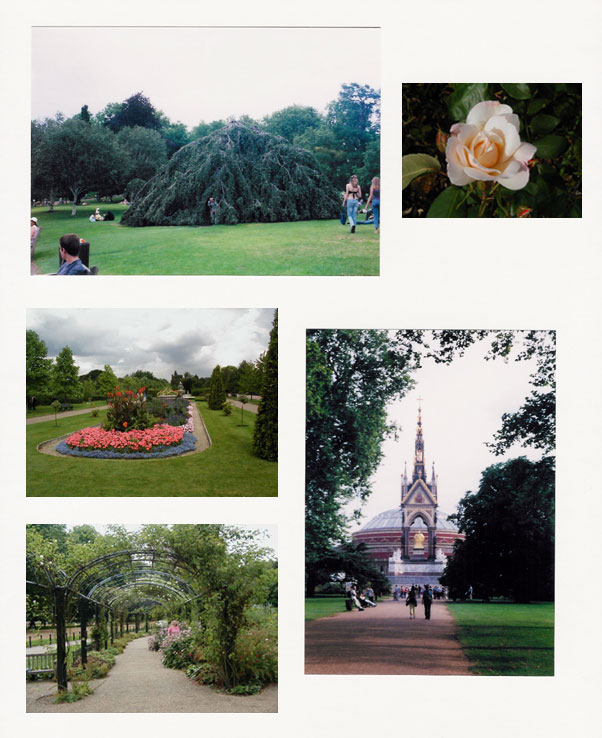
<point x="248" y="406"/>
<point x="200" y="432"/>
<point x="383" y="640"/>
<point x="140" y="683"/>
<point x="66" y="414"/>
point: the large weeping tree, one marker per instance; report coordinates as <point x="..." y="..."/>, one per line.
<point x="253" y="176"/>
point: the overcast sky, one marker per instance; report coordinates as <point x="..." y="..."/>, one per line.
<point x="199" y="74"/>
<point x="462" y="406"/>
<point x="159" y="341"/>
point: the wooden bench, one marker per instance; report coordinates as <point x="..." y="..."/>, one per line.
<point x="84" y="255"/>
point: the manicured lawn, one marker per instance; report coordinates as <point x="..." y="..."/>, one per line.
<point x="316" y="247"/>
<point x="505" y="639"/>
<point x="227" y="469"/>
<point x="321" y="607"/>
<point x="48" y="410"/>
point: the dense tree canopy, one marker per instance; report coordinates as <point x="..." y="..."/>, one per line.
<point x="509" y="527"/>
<point x="253" y="176"/>
<point x="351" y="376"/>
<point x="65" y="377"/>
<point x="37" y="365"/>
<point x="217" y="393"/>
<point x="265" y="438"/>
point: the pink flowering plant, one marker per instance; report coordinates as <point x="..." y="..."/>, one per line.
<point x="159" y="441"/>
<point x="508" y="150"/>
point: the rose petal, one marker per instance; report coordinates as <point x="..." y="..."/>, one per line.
<point x="506" y="128"/>
<point x="525" y="152"/>
<point x="480" y="174"/>
<point x="518" y="181"/>
<point x="483" y="111"/>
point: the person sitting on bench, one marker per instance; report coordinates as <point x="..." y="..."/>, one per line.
<point x="69" y="252"/>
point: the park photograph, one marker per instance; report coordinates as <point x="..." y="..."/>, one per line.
<point x="492" y="150"/>
<point x="430" y="502"/>
<point x="151" y="403"/>
<point x="269" y="167"/>
<point x="151" y="618"/>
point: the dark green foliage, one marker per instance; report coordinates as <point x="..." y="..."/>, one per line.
<point x="265" y="439"/>
<point x="137" y="110"/>
<point x="292" y="121"/>
<point x="65" y="377"/>
<point x="550" y="119"/>
<point x="351" y="376"/>
<point x="253" y="176"/>
<point x="38" y="365"/>
<point x="509" y="527"/>
<point x="350" y="561"/>
<point x="217" y="394"/>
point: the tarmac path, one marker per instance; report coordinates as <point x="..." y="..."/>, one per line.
<point x="248" y="406"/>
<point x="140" y="683"/>
<point x="66" y="414"/>
<point x="383" y="640"/>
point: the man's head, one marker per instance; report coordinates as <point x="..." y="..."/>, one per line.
<point x="69" y="243"/>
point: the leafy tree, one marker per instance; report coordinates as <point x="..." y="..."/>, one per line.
<point x="265" y="437"/>
<point x="175" y="380"/>
<point x="44" y="160"/>
<point x="65" y="377"/>
<point x="217" y="394"/>
<point x="247" y="378"/>
<point x="356" y="109"/>
<point x="77" y="157"/>
<point x="204" y="129"/>
<point x="89" y="389"/>
<point x="137" y="110"/>
<point x="37" y="365"/>
<point x="253" y="176"/>
<point x="351" y="376"/>
<point x="351" y="562"/>
<point x="175" y="136"/>
<point x="83" y="534"/>
<point x="509" y="527"/>
<point x="144" y="152"/>
<point x="335" y="161"/>
<point x="292" y="121"/>
<point x="107" y="381"/>
<point x="85" y="114"/>
<point x="534" y="424"/>
<point x="230" y="378"/>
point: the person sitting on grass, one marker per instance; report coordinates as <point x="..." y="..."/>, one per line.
<point x="364" y="601"/>
<point x="69" y="251"/>
<point x="97" y="215"/>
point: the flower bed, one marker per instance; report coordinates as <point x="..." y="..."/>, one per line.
<point x="157" y="442"/>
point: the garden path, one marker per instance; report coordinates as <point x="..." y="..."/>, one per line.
<point x="203" y="440"/>
<point x="140" y="683"/>
<point x="66" y="414"/>
<point x="383" y="640"/>
<point x="248" y="406"/>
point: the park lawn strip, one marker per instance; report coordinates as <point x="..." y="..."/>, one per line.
<point x="227" y="469"/>
<point x="507" y="639"/>
<point x="322" y="607"/>
<point x="315" y="247"/>
<point x="42" y="410"/>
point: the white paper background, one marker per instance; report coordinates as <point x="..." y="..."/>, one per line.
<point x="447" y="273"/>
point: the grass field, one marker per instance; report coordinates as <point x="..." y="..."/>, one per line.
<point x="49" y="410"/>
<point x="227" y="469"/>
<point x="321" y="607"/>
<point x="505" y="639"/>
<point x="316" y="247"/>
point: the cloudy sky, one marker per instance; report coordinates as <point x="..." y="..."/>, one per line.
<point x="195" y="74"/>
<point x="159" y="341"/>
<point x="462" y="407"/>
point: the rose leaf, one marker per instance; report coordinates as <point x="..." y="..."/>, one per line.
<point x="413" y="165"/>
<point x="550" y="146"/>
<point x="517" y="91"/>
<point x="464" y="98"/>
<point x="448" y="204"/>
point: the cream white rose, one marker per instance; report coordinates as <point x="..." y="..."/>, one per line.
<point x="488" y="148"/>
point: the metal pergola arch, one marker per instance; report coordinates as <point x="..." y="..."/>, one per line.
<point x="109" y="582"/>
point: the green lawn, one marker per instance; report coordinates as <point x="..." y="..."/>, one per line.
<point x="321" y="607"/>
<point x="227" y="469"/>
<point x="316" y="247"/>
<point x="505" y="639"/>
<point x="49" y="410"/>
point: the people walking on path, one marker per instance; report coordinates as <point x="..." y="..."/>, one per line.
<point x="396" y="592"/>
<point x="427" y="601"/>
<point x="411" y="602"/>
<point x="374" y="197"/>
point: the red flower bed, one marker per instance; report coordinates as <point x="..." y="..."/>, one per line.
<point x="98" y="439"/>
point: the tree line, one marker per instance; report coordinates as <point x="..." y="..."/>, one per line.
<point x="508" y="522"/>
<point x="114" y="152"/>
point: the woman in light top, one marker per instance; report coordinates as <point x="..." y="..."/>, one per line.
<point x="353" y="195"/>
<point x="374" y="198"/>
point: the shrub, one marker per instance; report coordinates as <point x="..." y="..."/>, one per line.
<point x="77" y="692"/>
<point x="127" y="411"/>
<point x="227" y="408"/>
<point x="256" y="652"/>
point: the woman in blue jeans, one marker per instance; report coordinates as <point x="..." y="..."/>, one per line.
<point x="375" y="199"/>
<point x="353" y="195"/>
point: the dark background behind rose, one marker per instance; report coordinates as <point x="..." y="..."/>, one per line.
<point x="550" y="118"/>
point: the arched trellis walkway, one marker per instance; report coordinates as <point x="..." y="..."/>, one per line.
<point x="110" y="587"/>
